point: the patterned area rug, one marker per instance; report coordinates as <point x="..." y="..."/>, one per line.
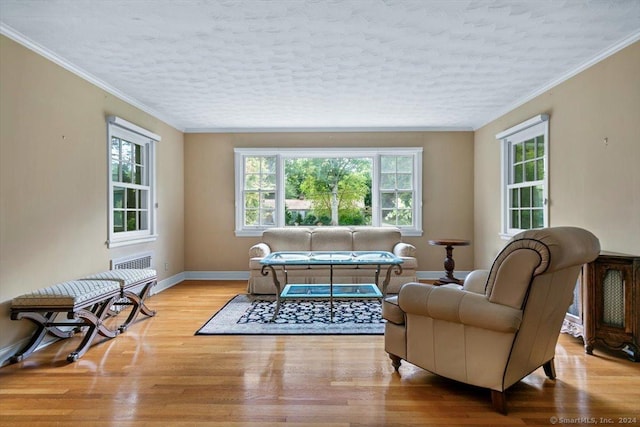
<point x="251" y="315"/>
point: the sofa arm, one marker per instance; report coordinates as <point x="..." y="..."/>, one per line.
<point x="458" y="306"/>
<point x="404" y="250"/>
<point x="259" y="250"/>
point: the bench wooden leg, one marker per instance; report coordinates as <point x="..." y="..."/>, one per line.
<point x="94" y="321"/>
<point x="137" y="301"/>
<point x="41" y="331"/>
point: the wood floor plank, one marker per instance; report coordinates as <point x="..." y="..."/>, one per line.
<point x="159" y="373"/>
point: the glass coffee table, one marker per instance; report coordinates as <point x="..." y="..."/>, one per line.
<point x="331" y="259"/>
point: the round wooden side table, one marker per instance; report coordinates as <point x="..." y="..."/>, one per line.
<point x="449" y="263"/>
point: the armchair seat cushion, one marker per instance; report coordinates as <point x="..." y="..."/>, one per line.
<point x="391" y="310"/>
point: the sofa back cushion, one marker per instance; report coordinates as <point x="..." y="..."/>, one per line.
<point x="288" y="239"/>
<point x="331" y="239"/>
<point x="375" y="238"/>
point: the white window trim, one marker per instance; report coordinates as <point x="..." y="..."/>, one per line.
<point x="282" y="153"/>
<point x="134" y="133"/>
<point x="526" y="130"/>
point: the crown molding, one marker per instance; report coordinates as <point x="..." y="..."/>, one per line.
<point x="330" y="129"/>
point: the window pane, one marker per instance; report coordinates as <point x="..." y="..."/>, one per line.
<point x="517" y="173"/>
<point x="127" y="150"/>
<point x="405" y="164"/>
<point x="515" y="219"/>
<point x="388" y="164"/>
<point x="515" y="198"/>
<point x="405" y="217"/>
<point x="118" y="197"/>
<point x="138" y="175"/>
<point x="115" y="148"/>
<point x="405" y="199"/>
<point x="388" y="181"/>
<point x="126" y="172"/>
<point x="388" y="200"/>
<point x="251" y="217"/>
<point x="525" y="219"/>
<point x="251" y="200"/>
<point x="518" y="152"/>
<point x="269" y="182"/>
<point x="530" y="172"/>
<point x="132" y="223"/>
<point x="252" y="165"/>
<point x="269" y="164"/>
<point x="525" y="197"/>
<point x="137" y="158"/>
<point x="540" y="146"/>
<point x="540" y="169"/>
<point x="537" y="196"/>
<point x="132" y="202"/>
<point x="538" y="218"/>
<point x="405" y="181"/>
<point x="115" y="170"/>
<point x="268" y="217"/>
<point x="143" y="222"/>
<point x="252" y="182"/>
<point x="118" y="221"/>
<point x="388" y="217"/>
<point x="529" y="149"/>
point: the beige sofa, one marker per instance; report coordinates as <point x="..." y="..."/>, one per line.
<point x="503" y="323"/>
<point x="330" y="239"/>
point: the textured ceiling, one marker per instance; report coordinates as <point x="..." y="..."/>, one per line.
<point x="249" y="64"/>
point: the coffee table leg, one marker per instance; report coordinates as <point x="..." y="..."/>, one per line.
<point x="276" y="283"/>
<point x="387" y="278"/>
<point x="331" y="292"/>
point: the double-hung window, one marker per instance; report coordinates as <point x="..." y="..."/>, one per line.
<point x="131" y="154"/>
<point x="525" y="176"/>
<point x="277" y="187"/>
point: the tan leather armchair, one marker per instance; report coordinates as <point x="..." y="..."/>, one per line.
<point x="503" y="323"/>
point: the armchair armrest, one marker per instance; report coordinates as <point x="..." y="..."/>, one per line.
<point x="458" y="306"/>
<point x="404" y="250"/>
<point x="259" y="250"/>
<point x="476" y="281"/>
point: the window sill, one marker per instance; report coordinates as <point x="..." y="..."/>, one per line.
<point x="128" y="242"/>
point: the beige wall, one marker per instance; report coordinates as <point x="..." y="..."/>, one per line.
<point x="592" y="184"/>
<point x="53" y="180"/>
<point x="209" y="191"/>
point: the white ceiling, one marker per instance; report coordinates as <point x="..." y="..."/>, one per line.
<point x="323" y="64"/>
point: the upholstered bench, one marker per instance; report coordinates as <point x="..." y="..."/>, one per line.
<point x="86" y="304"/>
<point x="135" y="285"/>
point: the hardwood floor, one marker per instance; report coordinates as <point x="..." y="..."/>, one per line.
<point x="159" y="373"/>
